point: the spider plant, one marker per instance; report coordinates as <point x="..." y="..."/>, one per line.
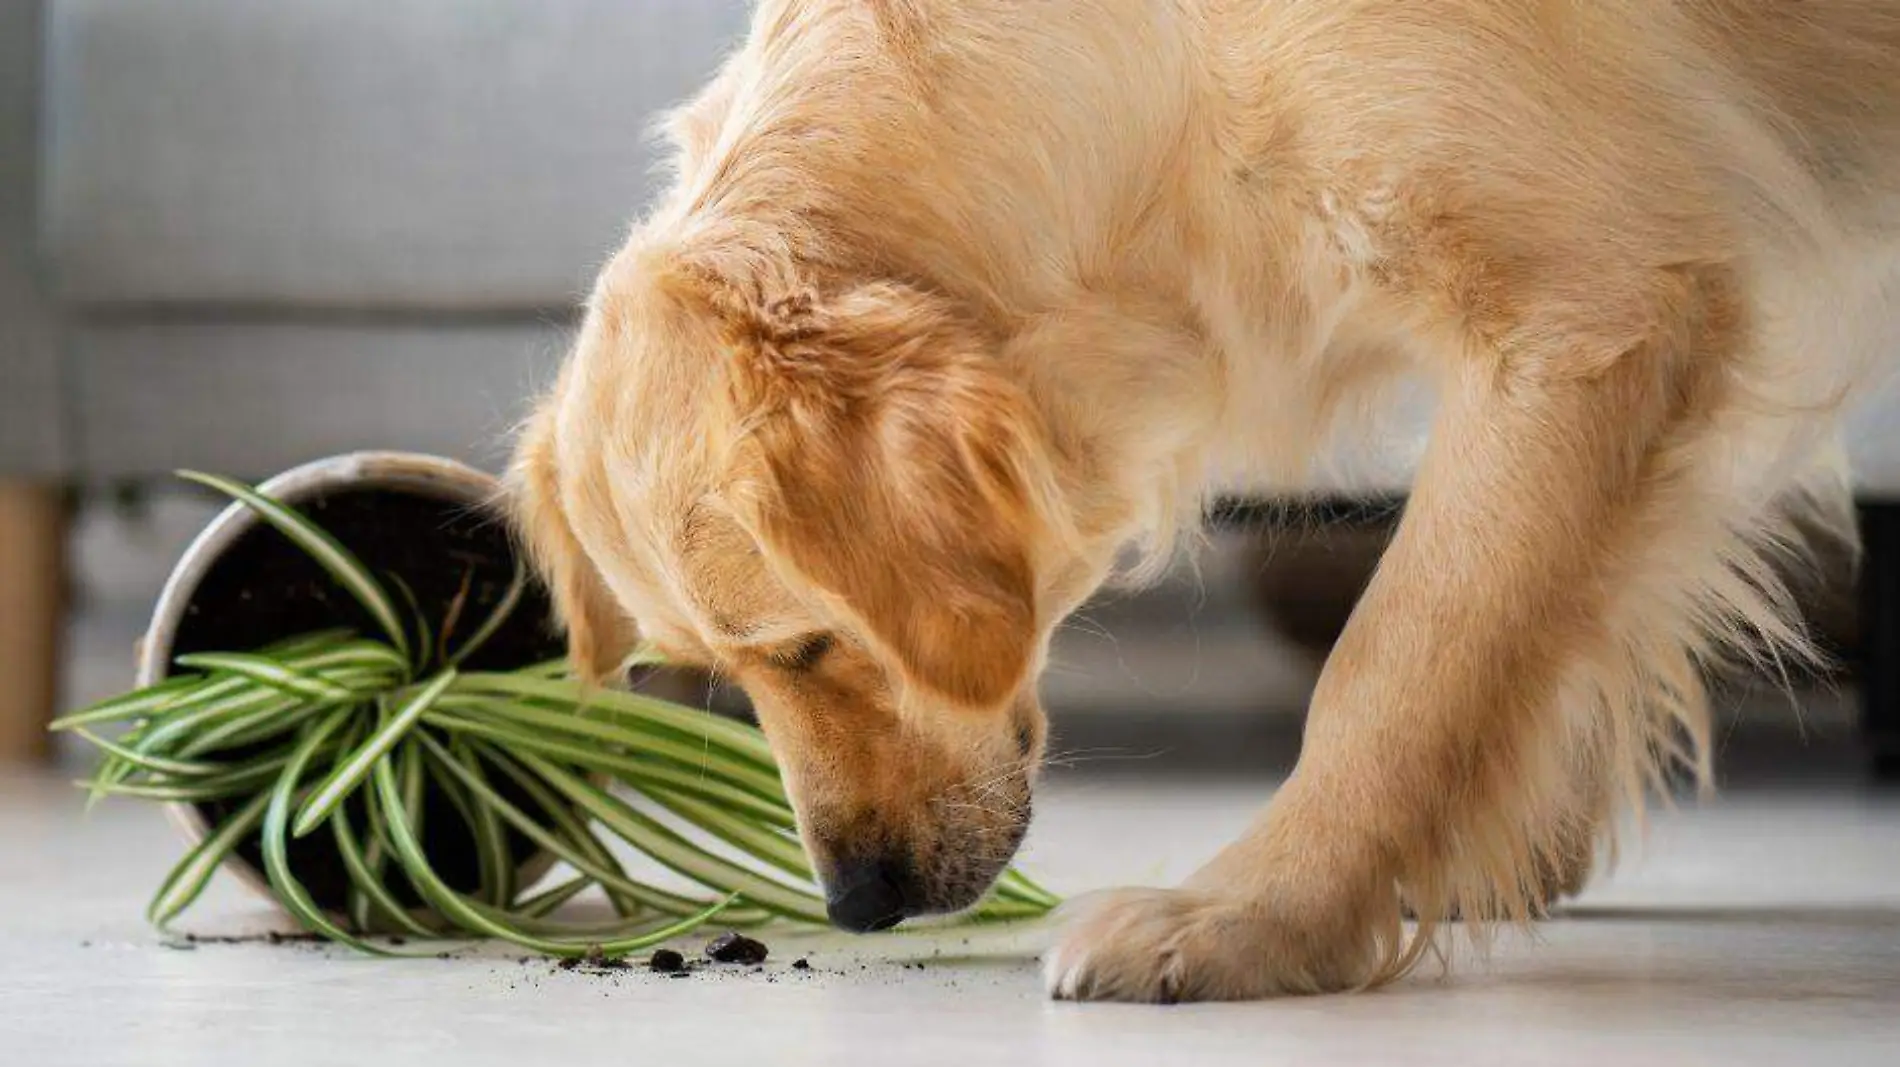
<point x="363" y="738"/>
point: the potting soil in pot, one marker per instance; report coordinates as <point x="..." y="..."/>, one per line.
<point x="264" y="589"/>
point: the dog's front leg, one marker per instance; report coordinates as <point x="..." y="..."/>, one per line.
<point x="1440" y="763"/>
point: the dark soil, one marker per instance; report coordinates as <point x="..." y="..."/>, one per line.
<point x="667" y="961"/>
<point x="734" y="947"/>
<point x="594" y="963"/>
<point x="272" y="937"/>
<point x="265" y="589"/>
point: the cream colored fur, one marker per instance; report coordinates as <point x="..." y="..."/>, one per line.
<point x="1005" y="287"/>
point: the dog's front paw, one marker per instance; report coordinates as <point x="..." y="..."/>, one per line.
<point x="1166" y="946"/>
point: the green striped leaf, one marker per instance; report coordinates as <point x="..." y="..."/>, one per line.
<point x="424" y="650"/>
<point x="266" y="671"/>
<point x="575" y="858"/>
<point x="703" y="756"/>
<point x="188" y="879"/>
<point x="704" y="782"/>
<point x="314" y="641"/>
<point x="494" y="865"/>
<point x="131" y="705"/>
<point x="351" y="772"/>
<point x="290" y="891"/>
<point x="674" y="851"/>
<point x="368" y="881"/>
<point x="341" y="564"/>
<point x="544" y="903"/>
<point x="630" y="709"/>
<point x="761" y="843"/>
<point x="575" y="834"/>
<point x="498" y="615"/>
<point x="477" y="918"/>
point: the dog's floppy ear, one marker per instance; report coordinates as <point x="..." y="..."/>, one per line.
<point x="599" y="634"/>
<point x="892" y="465"/>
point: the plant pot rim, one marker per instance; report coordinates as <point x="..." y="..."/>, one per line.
<point x="448" y="479"/>
<point x="425" y="475"/>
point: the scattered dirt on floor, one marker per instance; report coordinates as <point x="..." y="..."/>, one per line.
<point x="734" y="947"/>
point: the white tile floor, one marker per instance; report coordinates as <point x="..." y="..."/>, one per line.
<point x="1764" y="929"/>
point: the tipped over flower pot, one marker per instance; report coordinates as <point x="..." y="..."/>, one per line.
<point x="349" y="697"/>
<point x="242" y="585"/>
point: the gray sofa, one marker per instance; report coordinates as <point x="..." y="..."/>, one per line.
<point x="275" y="230"/>
<point x="238" y="234"/>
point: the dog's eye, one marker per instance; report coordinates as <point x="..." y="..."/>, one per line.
<point x="807" y="654"/>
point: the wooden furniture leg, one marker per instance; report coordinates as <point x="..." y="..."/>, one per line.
<point x="33" y="519"/>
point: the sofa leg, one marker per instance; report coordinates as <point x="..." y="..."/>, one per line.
<point x="33" y="521"/>
<point x="1880" y="637"/>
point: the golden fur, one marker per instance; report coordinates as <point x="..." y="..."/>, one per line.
<point x="951" y="301"/>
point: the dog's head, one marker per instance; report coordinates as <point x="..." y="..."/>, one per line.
<point x="840" y="499"/>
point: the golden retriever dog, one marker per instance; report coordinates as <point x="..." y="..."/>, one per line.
<point x="952" y="302"/>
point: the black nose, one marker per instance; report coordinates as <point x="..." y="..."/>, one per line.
<point x="868" y="896"/>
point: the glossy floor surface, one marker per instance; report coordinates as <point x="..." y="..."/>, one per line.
<point x="1763" y="928"/>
